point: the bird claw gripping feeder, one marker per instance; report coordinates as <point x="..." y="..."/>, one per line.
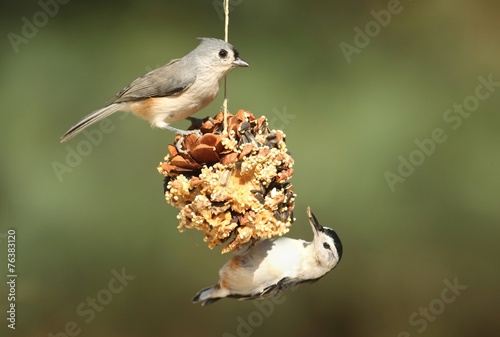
<point x="234" y="186"/>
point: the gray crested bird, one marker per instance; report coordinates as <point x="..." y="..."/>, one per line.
<point x="270" y="267"/>
<point x="174" y="91"/>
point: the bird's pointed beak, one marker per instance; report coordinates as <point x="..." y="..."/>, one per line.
<point x="240" y="63"/>
<point x="314" y="222"/>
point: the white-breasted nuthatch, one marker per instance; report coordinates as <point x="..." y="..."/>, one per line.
<point x="173" y="92"/>
<point x="269" y="267"/>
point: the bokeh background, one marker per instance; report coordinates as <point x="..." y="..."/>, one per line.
<point x="347" y="124"/>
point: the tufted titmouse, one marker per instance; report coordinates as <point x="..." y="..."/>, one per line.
<point x="272" y="266"/>
<point x="172" y="92"/>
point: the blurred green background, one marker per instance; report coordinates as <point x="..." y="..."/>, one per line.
<point x="347" y="124"/>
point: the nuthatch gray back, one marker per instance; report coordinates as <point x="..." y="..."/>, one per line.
<point x="173" y="92"/>
<point x="269" y="267"/>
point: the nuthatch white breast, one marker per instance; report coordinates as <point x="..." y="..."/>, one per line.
<point x="174" y="91"/>
<point x="269" y="267"/>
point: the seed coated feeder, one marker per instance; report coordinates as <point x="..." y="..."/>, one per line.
<point x="232" y="186"/>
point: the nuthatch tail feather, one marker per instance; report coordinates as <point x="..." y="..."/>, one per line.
<point x="173" y="92"/>
<point x="269" y="267"/>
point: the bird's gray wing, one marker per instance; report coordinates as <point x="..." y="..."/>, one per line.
<point x="170" y="79"/>
<point x="269" y="291"/>
<point x="277" y="288"/>
<point x="274" y="289"/>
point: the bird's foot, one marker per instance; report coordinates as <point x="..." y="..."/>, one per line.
<point x="181" y="133"/>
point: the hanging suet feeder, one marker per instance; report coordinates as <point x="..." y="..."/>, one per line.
<point x="233" y="186"/>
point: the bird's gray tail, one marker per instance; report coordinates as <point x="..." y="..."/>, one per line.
<point x="91" y="119"/>
<point x="204" y="297"/>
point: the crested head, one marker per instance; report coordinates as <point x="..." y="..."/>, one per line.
<point x="218" y="55"/>
<point x="212" y="42"/>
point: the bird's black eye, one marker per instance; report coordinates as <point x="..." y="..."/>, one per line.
<point x="223" y="53"/>
<point x="326" y="245"/>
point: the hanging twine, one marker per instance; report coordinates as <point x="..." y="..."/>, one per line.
<point x="226" y="38"/>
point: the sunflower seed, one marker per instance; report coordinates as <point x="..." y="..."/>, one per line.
<point x="285" y="215"/>
<point x="244" y="127"/>
<point x="224" y="179"/>
<point x="259" y="197"/>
